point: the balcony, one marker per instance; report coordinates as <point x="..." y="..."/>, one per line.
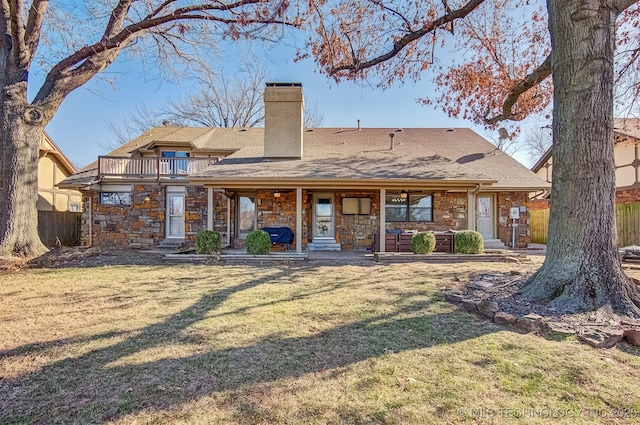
<point x="151" y="167"/>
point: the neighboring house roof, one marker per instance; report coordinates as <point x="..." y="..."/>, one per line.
<point x="48" y="147"/>
<point x="439" y="155"/>
<point x="624" y="129"/>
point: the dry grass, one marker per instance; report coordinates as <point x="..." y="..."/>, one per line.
<point x="313" y="343"/>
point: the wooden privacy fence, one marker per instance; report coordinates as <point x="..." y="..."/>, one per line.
<point x="539" y="225"/>
<point x="627" y="222"/>
<point x="63" y="226"/>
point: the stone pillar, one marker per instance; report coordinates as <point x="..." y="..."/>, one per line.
<point x="383" y="219"/>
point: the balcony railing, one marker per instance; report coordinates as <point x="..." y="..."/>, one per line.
<point x="154" y="167"/>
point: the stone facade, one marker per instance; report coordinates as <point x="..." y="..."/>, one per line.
<point x="506" y="200"/>
<point x="353" y="231"/>
<point x="356" y="231"/>
<point x="280" y="211"/>
<point x="143" y="223"/>
<point x="449" y="213"/>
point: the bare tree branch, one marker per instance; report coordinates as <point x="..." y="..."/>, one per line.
<point x="34" y="25"/>
<point x="77" y="68"/>
<point x="527" y="83"/>
<point x="409" y="38"/>
<point x="116" y="21"/>
<point x="5" y="25"/>
<point x="20" y="55"/>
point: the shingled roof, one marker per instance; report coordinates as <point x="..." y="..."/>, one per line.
<point x="419" y="154"/>
<point x="436" y="155"/>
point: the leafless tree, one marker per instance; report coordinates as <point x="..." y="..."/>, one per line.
<point x="313" y="118"/>
<point x="537" y="142"/>
<point x="221" y="101"/>
<point x="74" y="43"/>
<point x="217" y="101"/>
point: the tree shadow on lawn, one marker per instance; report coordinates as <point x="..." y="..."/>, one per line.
<point x="98" y="386"/>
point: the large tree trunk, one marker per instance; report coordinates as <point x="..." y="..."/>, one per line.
<point x="582" y="270"/>
<point x="21" y="128"/>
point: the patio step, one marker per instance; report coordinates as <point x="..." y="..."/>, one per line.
<point x="171" y="244"/>
<point x="494" y="244"/>
<point x="323" y="246"/>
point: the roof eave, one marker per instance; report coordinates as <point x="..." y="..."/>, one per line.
<point x="407" y="184"/>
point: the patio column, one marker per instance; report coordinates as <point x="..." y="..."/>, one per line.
<point x="298" y="220"/>
<point x="209" y="208"/>
<point x="383" y="219"/>
<point x="228" y="220"/>
<point x="471" y="207"/>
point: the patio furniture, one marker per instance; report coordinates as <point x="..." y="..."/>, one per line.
<point x="401" y="242"/>
<point x="280" y="235"/>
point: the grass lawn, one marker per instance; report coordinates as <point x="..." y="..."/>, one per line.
<point x="286" y="343"/>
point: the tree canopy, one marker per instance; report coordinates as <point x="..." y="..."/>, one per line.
<point x="489" y="60"/>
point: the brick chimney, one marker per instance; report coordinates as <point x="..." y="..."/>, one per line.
<point x="283" y="117"/>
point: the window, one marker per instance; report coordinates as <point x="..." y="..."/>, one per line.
<point x="405" y="207"/>
<point x="420" y="208"/>
<point x="356" y="206"/>
<point x="396" y="208"/>
<point x="115" y="198"/>
<point x="173" y="163"/>
<point x="75" y="207"/>
<point x="246" y="215"/>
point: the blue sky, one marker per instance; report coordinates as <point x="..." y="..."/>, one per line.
<point x="79" y="128"/>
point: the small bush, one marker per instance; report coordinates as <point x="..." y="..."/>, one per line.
<point x="423" y="243"/>
<point x="469" y="242"/>
<point x="258" y="242"/>
<point x="208" y="242"/>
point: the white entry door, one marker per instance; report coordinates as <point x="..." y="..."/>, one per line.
<point x="323" y="216"/>
<point x="485" y="216"/>
<point x="175" y="215"/>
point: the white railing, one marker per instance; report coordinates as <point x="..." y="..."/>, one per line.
<point x="156" y="167"/>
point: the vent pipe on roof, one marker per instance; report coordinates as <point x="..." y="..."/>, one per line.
<point x="392" y="135"/>
<point x="358" y="124"/>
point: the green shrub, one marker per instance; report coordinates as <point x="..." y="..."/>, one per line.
<point x="469" y="242"/>
<point x="258" y="242"/>
<point x="423" y="243"/>
<point x="208" y="242"/>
